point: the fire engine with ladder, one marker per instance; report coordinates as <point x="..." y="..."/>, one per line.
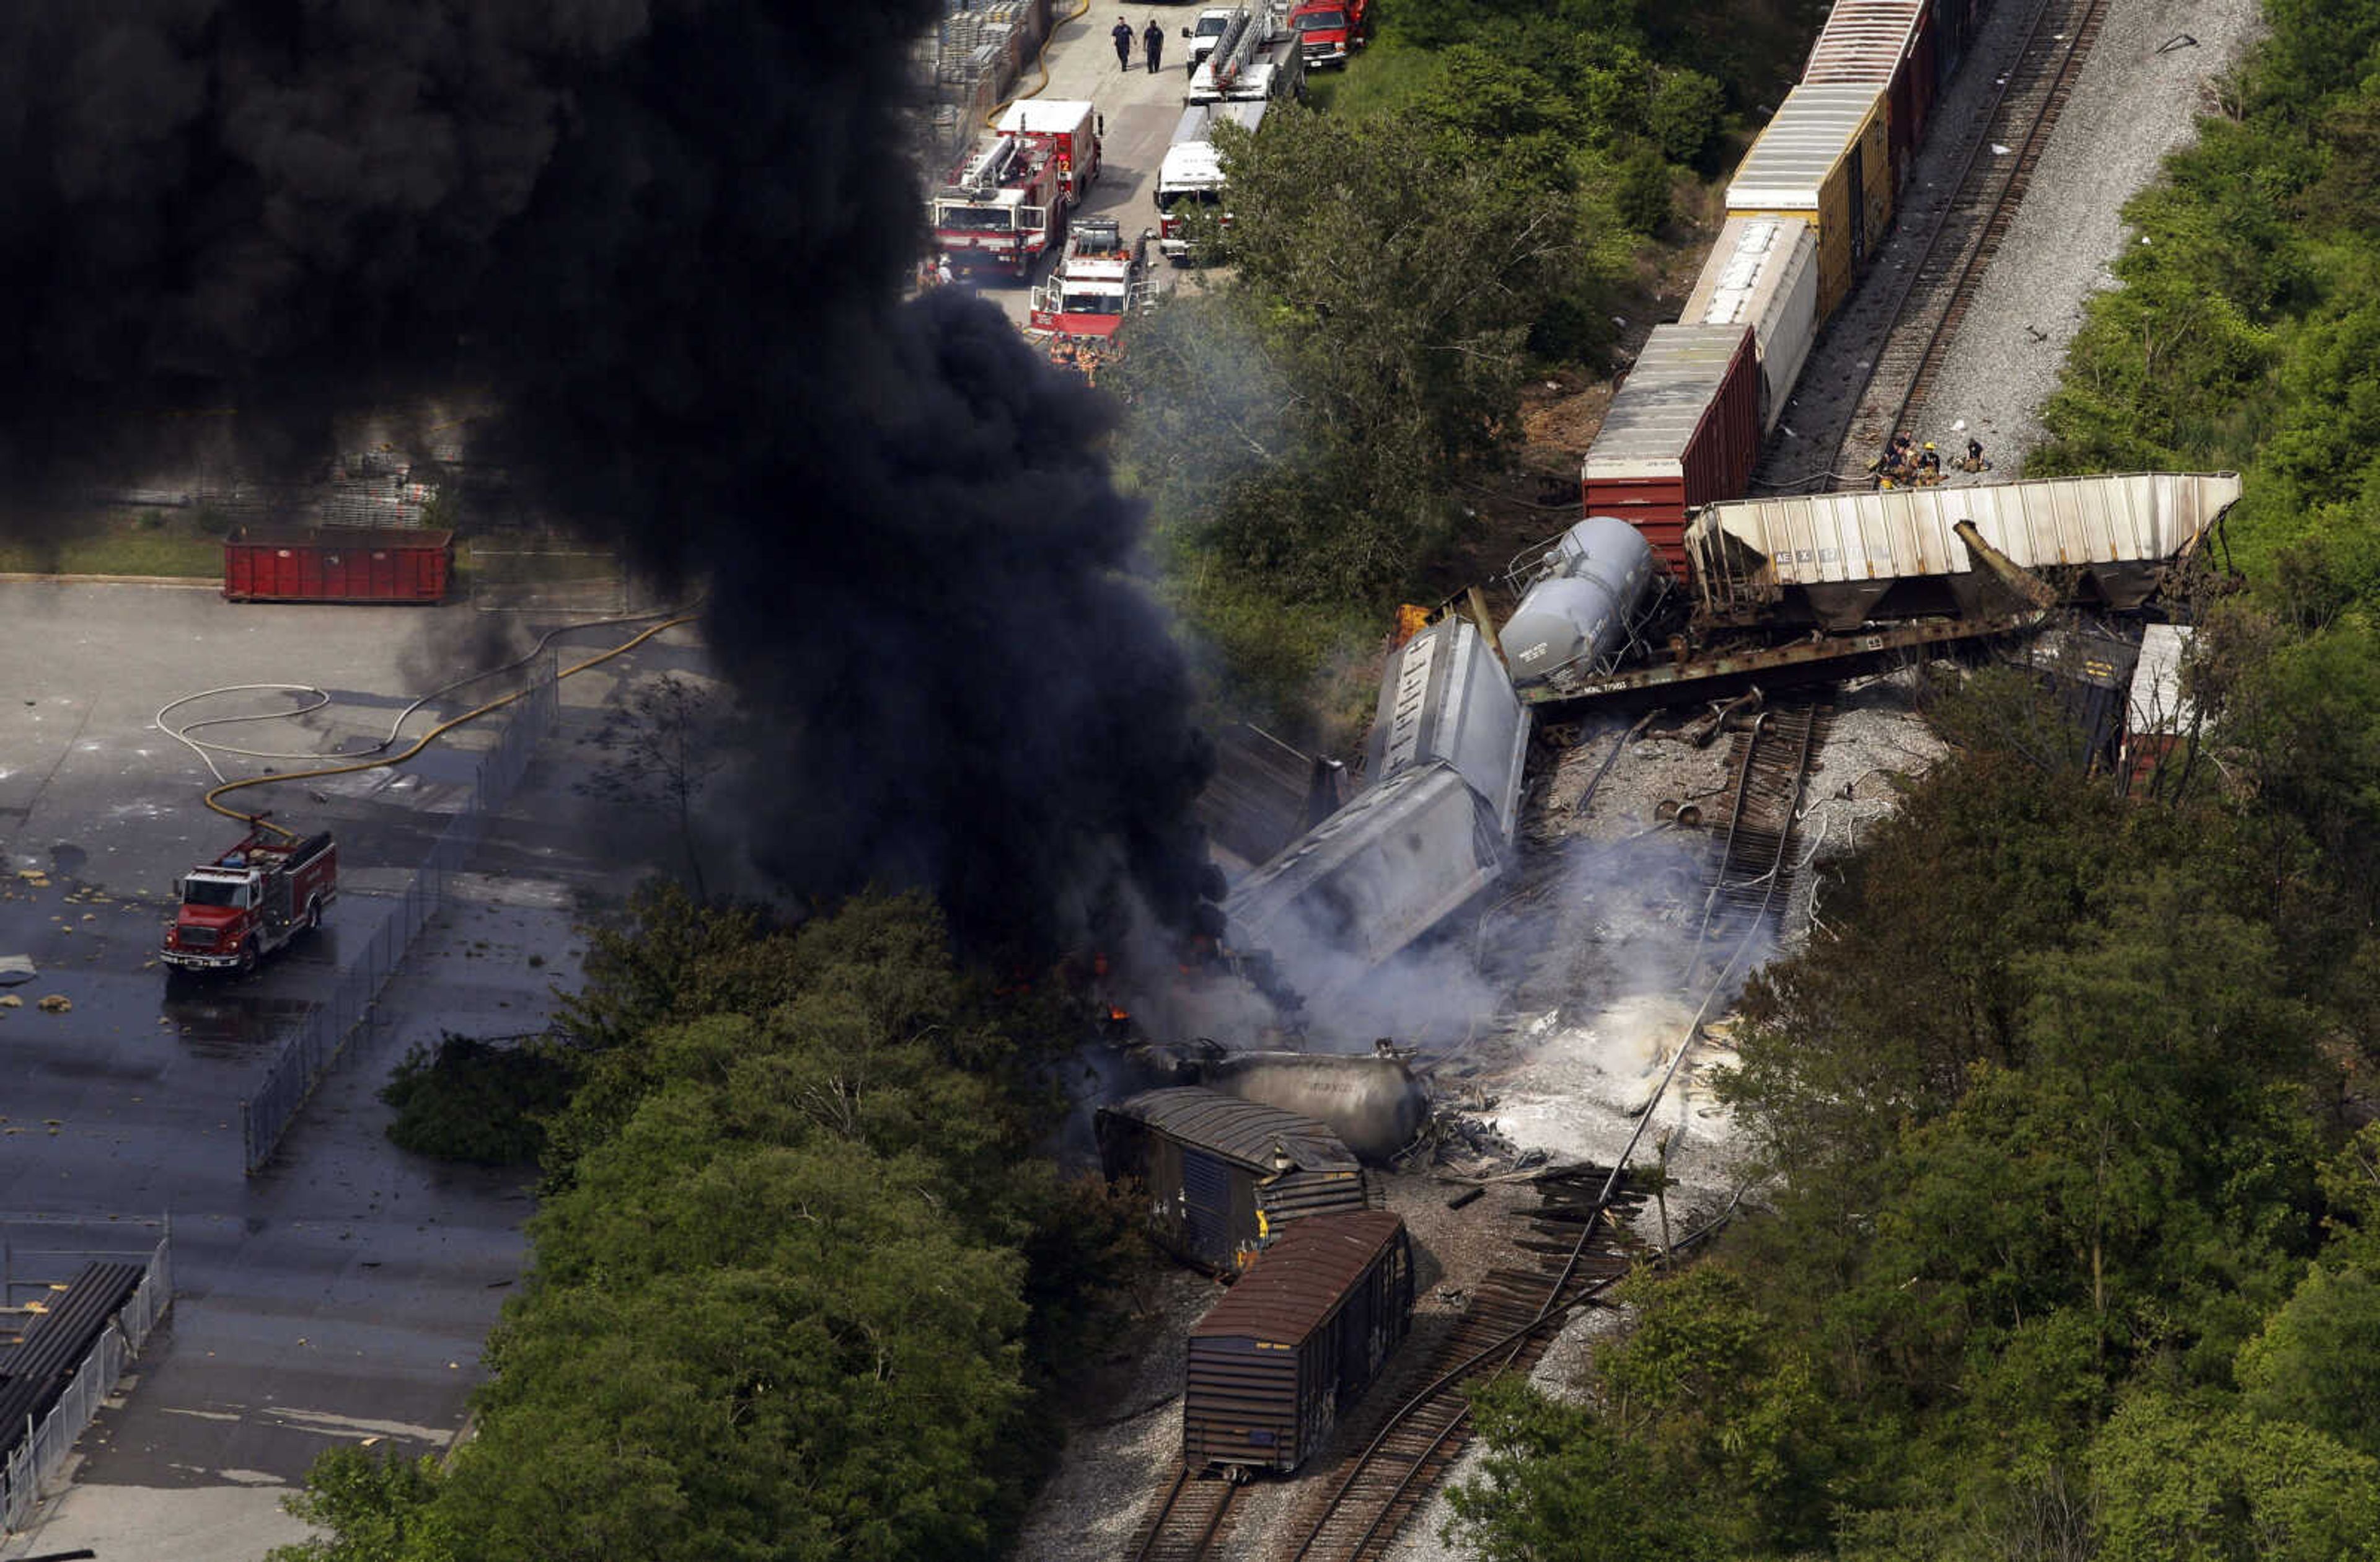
<point x="1102" y="278"/>
<point x="1011" y="199"/>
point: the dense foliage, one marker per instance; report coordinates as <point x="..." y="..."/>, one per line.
<point x="1468" y="204"/>
<point x="798" y="1278"/>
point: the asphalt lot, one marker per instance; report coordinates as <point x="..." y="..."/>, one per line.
<point x="344" y="1293"/>
<point x="1139" y="109"/>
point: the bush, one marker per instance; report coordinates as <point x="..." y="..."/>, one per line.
<point x="1684" y="113"/>
<point x="475" y="1103"/>
<point x="1644" y="196"/>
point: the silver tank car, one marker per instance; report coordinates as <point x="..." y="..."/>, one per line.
<point x="1583" y="610"/>
<point x="1373" y="1103"/>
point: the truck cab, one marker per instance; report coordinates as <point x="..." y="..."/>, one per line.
<point x="1207" y="32"/>
<point x="1330" y="30"/>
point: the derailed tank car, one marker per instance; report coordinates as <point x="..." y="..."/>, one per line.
<point x="1224" y="1176"/>
<point x="1277" y="1362"/>
<point x="1432" y="830"/>
<point x="1584" y="609"/>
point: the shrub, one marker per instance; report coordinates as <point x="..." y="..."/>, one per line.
<point x="470" y="1101"/>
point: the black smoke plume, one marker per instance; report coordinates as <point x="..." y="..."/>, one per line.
<point x="669" y="239"/>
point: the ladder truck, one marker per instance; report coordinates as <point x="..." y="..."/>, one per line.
<point x="1253" y="60"/>
<point x="1008" y="203"/>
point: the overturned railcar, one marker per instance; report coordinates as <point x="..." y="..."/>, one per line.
<point x="1224" y="1176"/>
<point x="1277" y="1362"/>
<point x="1841" y="560"/>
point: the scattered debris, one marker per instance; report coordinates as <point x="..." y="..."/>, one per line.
<point x="16" y="969"/>
<point x="56" y="1003"/>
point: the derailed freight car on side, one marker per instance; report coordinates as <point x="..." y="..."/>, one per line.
<point x="1276" y="1363"/>
<point x="1224" y="1176"/>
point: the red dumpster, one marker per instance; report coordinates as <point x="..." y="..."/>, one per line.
<point x="338" y="564"/>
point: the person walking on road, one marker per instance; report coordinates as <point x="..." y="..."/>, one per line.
<point x="1122" y="32"/>
<point x="1152" y="43"/>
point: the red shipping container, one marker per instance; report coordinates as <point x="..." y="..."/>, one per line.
<point x="339" y="563"/>
<point x="1682" y="431"/>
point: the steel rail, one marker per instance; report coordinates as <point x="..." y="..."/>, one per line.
<point x="1198" y="1544"/>
<point x="1973" y="260"/>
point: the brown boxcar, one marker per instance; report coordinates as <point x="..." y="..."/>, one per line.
<point x="1295" y="1343"/>
<point x="339" y="563"/>
<point x="1683" y="431"/>
<point x="1224" y="1176"/>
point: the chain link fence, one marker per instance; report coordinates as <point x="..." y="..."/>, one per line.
<point x="37" y="1459"/>
<point x="306" y="1056"/>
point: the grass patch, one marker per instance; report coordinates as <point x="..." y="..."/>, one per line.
<point x="118" y="542"/>
<point x="471" y="1102"/>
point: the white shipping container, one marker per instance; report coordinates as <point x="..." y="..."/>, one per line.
<point x="1764" y="273"/>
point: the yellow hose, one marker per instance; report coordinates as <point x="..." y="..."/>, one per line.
<point x="424" y="740"/>
<point x="1040" y="63"/>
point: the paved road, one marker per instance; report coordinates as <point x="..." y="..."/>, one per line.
<point x="1139" y="109"/>
<point x="344" y="1293"/>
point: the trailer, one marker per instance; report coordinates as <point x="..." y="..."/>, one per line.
<point x="345" y="564"/>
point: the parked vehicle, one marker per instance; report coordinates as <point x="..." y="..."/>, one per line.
<point x="1330" y="30"/>
<point x="1102" y="278"/>
<point x="1011" y="197"/>
<point x="1254" y="60"/>
<point x="251" y="901"/>
<point x="1208" y="31"/>
<point x="1191" y="176"/>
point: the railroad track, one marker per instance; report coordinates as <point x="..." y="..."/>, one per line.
<point x="1188" y="1522"/>
<point x="1933" y="295"/>
<point x="1751" y="863"/>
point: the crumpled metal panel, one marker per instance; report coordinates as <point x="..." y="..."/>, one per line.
<point x="2136" y="518"/>
<point x="1244" y="1132"/>
<point x="1371" y="878"/>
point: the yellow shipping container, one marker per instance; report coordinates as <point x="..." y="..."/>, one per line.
<point x="1825" y="158"/>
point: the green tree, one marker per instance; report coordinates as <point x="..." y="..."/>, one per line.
<point x="2319" y="1357"/>
<point x="2182" y="1483"/>
<point x="377" y="1510"/>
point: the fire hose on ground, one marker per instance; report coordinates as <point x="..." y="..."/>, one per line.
<point x="381" y="760"/>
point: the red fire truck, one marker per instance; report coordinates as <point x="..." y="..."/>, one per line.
<point x="251" y="900"/>
<point x="1328" y="31"/>
<point x="1102" y="278"/>
<point x="1009" y="200"/>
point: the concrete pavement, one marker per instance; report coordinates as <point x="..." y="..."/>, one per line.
<point x="344" y="1294"/>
